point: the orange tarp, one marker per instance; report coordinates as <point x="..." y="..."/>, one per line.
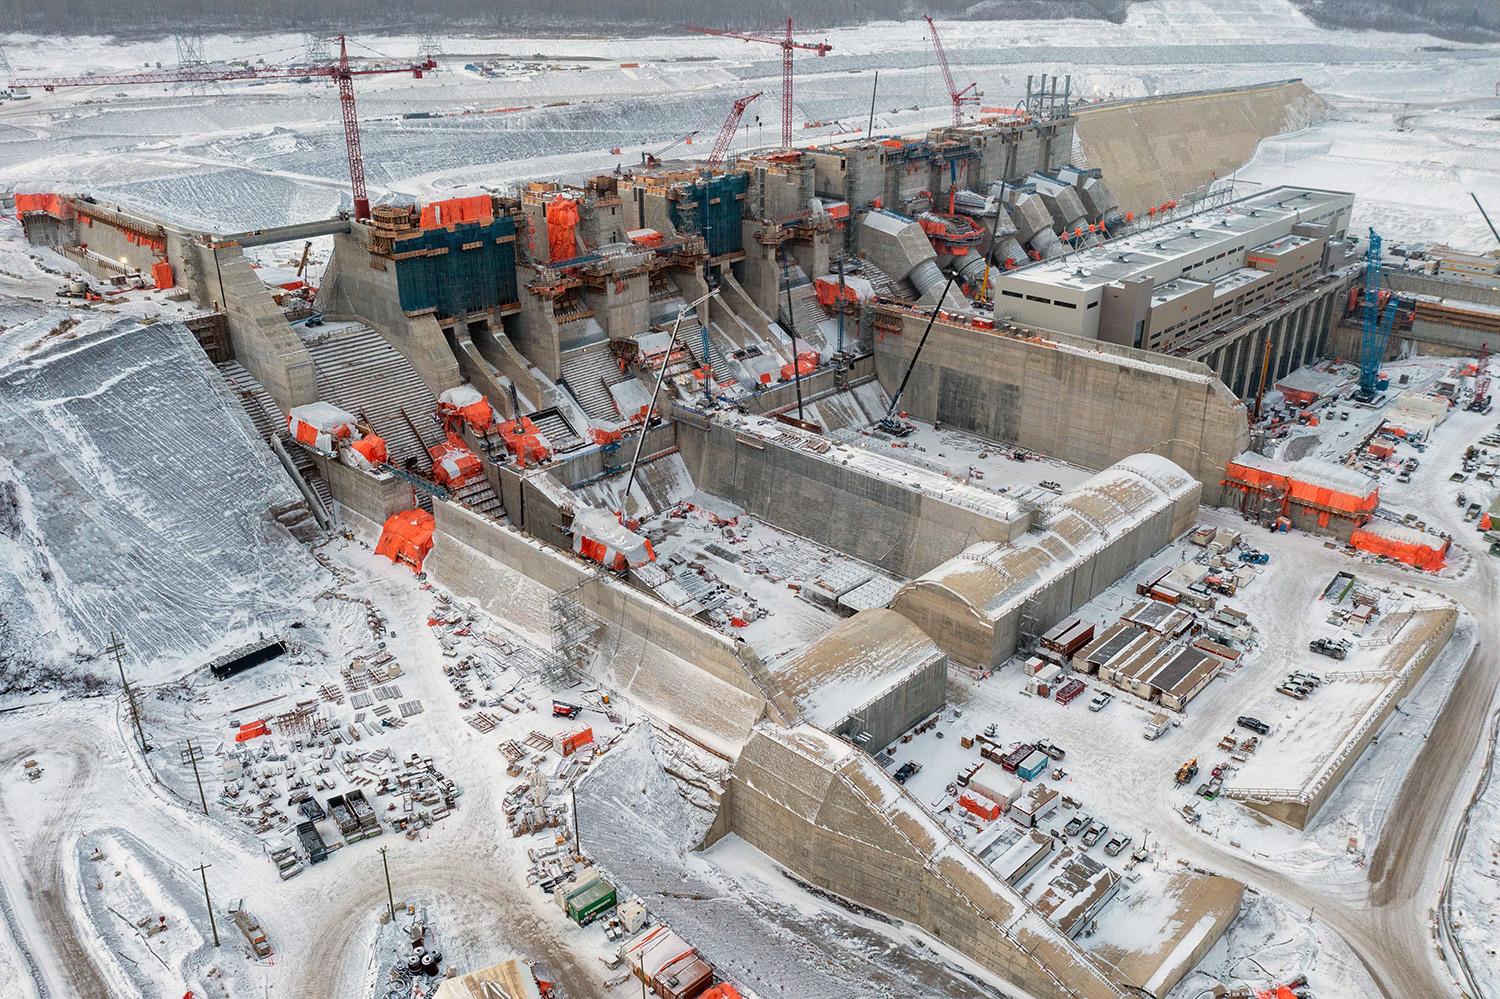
<point x="1305" y="493"/>
<point x="454" y="465"/>
<point x="252" y="730"/>
<point x="161" y="273"/>
<point x="468" y="404"/>
<point x="562" y="222"/>
<point x="722" y="991"/>
<point x="524" y="440"/>
<point x="372" y="448"/>
<point x="807" y="363"/>
<point x="979" y="805"/>
<point x="407" y="537"/>
<point x="437" y="214"/>
<point x="50" y="203"/>
<point x="1411" y="551"/>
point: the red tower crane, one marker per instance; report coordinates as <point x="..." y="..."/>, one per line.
<point x="341" y="72"/>
<point x="788" y="45"/>
<point x="726" y="134"/>
<point x="957" y="96"/>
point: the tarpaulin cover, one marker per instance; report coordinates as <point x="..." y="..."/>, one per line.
<point x="722" y="991"/>
<point x="367" y="452"/>
<point x="562" y="223"/>
<point x="161" y="274"/>
<point x="1404" y="544"/>
<point x="807" y="363"/>
<point x="442" y="213"/>
<point x="407" y="537"/>
<point x="52" y="204"/>
<point x="1302" y="489"/>
<point x="856" y="289"/>
<point x="979" y="805"/>
<point x="600" y="537"/>
<point x="466" y="403"/>
<point x="1380" y="450"/>
<point x="318" y="424"/>
<point x="525" y="441"/>
<point x="454" y="465"/>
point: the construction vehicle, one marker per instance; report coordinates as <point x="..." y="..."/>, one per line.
<point x="788" y="46"/>
<point x="1187" y="771"/>
<point x="1481" y="401"/>
<point x="654" y="159"/>
<point x="1329" y="647"/>
<point x="726" y="132"/>
<point x="341" y="72"/>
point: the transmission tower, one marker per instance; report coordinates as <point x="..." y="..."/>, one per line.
<point x="315" y="51"/>
<point x="190" y="60"/>
<point x="429" y="45"/>
<point x="5" y="69"/>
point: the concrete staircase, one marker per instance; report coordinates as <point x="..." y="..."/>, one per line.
<point x="560" y="435"/>
<point x="587" y="372"/>
<point x="266" y="417"/>
<point x="358" y="371"/>
<point x="481" y="497"/>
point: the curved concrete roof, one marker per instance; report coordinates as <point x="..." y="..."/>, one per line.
<point x="993" y="578"/>
<point x="854" y="663"/>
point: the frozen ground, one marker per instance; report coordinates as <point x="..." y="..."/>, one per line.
<point x="258" y="155"/>
<point x="92" y="427"/>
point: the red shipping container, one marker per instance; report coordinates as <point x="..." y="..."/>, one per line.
<point x="1070" y="691"/>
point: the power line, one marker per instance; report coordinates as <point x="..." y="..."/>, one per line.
<point x="117" y="647"/>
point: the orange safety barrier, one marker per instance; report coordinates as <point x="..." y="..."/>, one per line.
<point x="1403" y="545"/>
<point x="562" y="223"/>
<point x="407" y="537"/>
<point x="161" y="274"/>
<point x="437" y="214"/>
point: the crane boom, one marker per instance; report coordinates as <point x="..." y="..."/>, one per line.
<point x="341" y="72"/>
<point x="731" y="123"/>
<point x="957" y="96"/>
<point x="788" y="45"/>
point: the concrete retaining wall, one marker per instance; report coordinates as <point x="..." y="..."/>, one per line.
<point x="848" y="828"/>
<point x="1157" y="148"/>
<point x="1085" y="402"/>
<point x="632" y="613"/>
<point x="373" y="497"/>
<point x="841" y="506"/>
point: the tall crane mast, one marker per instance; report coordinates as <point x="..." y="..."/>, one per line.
<point x="788" y="45"/>
<point x="726" y="134"/>
<point x="341" y="72"/>
<point x="957" y="96"/>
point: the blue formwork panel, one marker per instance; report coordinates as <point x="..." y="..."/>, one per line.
<point x="712" y="208"/>
<point x="468" y="267"/>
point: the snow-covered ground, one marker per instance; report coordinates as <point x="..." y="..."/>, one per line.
<point x="256" y="155"/>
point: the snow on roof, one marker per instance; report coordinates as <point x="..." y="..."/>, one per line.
<point x="462" y="395"/>
<point x="996" y="577"/>
<point x="323" y="415"/>
<point x="1402" y="533"/>
<point x="855" y="663"/>
<point x="1314" y="471"/>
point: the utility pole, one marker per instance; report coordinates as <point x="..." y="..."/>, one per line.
<point x="577" y="843"/>
<point x="870" y="129"/>
<point x="202" y="869"/>
<point x="192" y="754"/>
<point x="117" y="648"/>
<point x="389" y="895"/>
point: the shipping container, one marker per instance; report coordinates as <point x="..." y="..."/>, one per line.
<point x="1033" y="766"/>
<point x="1070" y="691"/>
<point x="1017" y="756"/>
<point x="589" y="902"/>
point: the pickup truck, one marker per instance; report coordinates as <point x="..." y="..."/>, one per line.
<point x="1095" y="831"/>
<point x="907" y="771"/>
<point x="1056" y="752"/>
<point x="1117" y="844"/>
<point x="1328" y="647"/>
<point x="1100" y="700"/>
<point x="1076" y="825"/>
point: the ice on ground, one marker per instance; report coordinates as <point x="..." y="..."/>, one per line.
<point x="137" y="500"/>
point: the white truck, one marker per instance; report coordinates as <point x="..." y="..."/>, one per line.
<point x="1156" y="725"/>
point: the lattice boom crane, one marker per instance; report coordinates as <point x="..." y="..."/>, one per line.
<point x="788" y="45"/>
<point x="341" y="72"/>
<point x="726" y="134"/>
<point x="957" y="96"/>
